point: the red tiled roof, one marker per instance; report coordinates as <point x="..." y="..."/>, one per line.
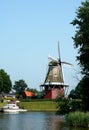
<point x="28" y="93"/>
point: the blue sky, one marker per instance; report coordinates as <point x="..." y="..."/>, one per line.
<point x="29" y="32"/>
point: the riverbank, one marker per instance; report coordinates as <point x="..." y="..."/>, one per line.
<point x="39" y="105"/>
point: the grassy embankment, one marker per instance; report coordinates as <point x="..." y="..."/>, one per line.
<point x="39" y="105"/>
<point x="36" y="105"/>
<point x="1" y="104"/>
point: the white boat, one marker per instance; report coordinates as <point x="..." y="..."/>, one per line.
<point x="12" y="108"/>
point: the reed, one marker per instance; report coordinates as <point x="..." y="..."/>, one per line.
<point x="78" y="119"/>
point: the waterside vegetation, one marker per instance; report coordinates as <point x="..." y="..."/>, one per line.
<point x="78" y="119"/>
<point x="81" y="43"/>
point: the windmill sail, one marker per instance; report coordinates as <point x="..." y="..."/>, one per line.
<point x="59" y="60"/>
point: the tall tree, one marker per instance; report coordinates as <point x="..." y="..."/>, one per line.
<point x="1" y="83"/>
<point x="81" y="38"/>
<point x="81" y="42"/>
<point x="20" y="86"/>
<point x="5" y="82"/>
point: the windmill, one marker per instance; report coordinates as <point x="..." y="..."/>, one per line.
<point x="54" y="79"/>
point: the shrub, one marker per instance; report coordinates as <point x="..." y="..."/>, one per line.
<point x="63" y="105"/>
<point x="78" y="119"/>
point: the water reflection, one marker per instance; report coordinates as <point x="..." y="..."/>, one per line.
<point x="33" y="121"/>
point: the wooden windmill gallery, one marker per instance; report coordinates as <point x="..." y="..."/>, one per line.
<point x="54" y="81"/>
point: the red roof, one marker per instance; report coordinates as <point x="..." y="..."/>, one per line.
<point x="28" y="93"/>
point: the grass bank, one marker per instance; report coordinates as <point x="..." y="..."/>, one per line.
<point x="2" y="104"/>
<point x="38" y="105"/>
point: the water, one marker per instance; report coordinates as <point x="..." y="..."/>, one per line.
<point x="33" y="121"/>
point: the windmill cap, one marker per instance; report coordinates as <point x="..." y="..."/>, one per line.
<point x="53" y="63"/>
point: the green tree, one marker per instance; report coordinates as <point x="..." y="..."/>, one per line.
<point x="1" y="83"/>
<point x="77" y="92"/>
<point x="81" y="42"/>
<point x="84" y="83"/>
<point x="81" y="38"/>
<point x="5" y="82"/>
<point x="20" y="86"/>
<point x="32" y="90"/>
<point x="72" y="94"/>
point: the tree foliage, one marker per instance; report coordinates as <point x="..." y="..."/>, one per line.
<point x="81" y="42"/>
<point x="85" y="92"/>
<point x="63" y="105"/>
<point x="34" y="90"/>
<point x="5" y="82"/>
<point x="81" y="38"/>
<point x="77" y="92"/>
<point x="20" y="86"/>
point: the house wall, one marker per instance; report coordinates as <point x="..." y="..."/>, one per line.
<point x="48" y="94"/>
<point x="52" y="93"/>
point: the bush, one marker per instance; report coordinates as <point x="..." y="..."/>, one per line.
<point x="63" y="105"/>
<point x="78" y="119"/>
<point x="66" y="105"/>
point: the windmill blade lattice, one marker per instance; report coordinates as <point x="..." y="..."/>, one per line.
<point x="66" y="63"/>
<point x="59" y="57"/>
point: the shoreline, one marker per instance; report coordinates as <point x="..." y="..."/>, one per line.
<point x="36" y="106"/>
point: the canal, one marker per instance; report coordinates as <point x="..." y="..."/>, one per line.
<point x="34" y="121"/>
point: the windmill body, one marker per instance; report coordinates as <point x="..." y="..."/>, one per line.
<point x="54" y="82"/>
